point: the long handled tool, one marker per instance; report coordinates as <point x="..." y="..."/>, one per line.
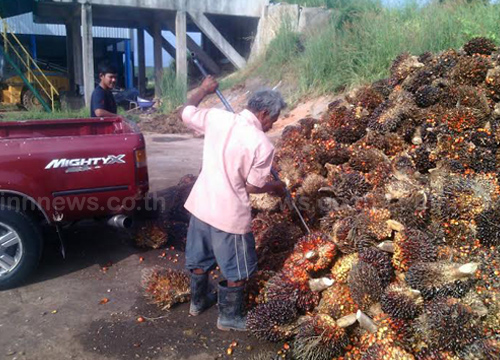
<point x="273" y="172"/>
<point x="205" y="74"/>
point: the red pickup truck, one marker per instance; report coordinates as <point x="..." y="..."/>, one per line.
<point x="59" y="171"/>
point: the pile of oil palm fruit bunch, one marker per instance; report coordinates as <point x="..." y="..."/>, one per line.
<point x="399" y="185"/>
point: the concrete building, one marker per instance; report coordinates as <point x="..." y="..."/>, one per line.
<point x="227" y="27"/>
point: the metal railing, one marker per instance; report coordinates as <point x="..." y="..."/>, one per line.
<point x="35" y="77"/>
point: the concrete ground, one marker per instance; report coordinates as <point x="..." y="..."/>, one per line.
<point x="87" y="306"/>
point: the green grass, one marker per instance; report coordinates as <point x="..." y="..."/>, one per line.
<point x="364" y="38"/>
<point x="56" y="115"/>
<point x="42" y="115"/>
<point x="173" y="91"/>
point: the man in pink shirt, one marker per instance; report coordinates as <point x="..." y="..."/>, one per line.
<point x="237" y="159"/>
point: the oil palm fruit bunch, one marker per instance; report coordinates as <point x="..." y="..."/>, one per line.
<point x="365" y="285"/>
<point x="403" y="66"/>
<point x="320" y="337"/>
<point x="312" y="253"/>
<point x="470" y="70"/>
<point x="480" y="45"/>
<point x="272" y="321"/>
<point x="401" y="302"/>
<point x="448" y="325"/>
<point x="441" y="278"/>
<point x="413" y="246"/>
<point x="151" y="235"/>
<point x="336" y="301"/>
<point x="381" y="261"/>
<point x="493" y="83"/>
<point x="342" y="267"/>
<point x="166" y="287"/>
<point x="292" y="285"/>
<point x="366" y="97"/>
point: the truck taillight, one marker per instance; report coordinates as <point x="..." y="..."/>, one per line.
<point x="141" y="160"/>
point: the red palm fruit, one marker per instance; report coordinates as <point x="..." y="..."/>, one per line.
<point x="401" y="302"/>
<point x="412" y="246"/>
<point x="470" y="97"/>
<point x="320" y="338"/>
<point x="166" y="287"/>
<point x="340" y="270"/>
<point x="385" y="331"/>
<point x="377" y="352"/>
<point x="312" y="252"/>
<point x="336" y="301"/>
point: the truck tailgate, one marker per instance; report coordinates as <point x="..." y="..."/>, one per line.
<point x="90" y="168"/>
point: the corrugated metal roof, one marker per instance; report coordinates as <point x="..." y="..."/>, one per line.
<point x="23" y="24"/>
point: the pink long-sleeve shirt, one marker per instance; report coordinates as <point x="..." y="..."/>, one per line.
<point x="236" y="152"/>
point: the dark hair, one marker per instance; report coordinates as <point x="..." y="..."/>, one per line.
<point x="107" y="68"/>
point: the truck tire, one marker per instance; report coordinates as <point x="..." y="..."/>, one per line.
<point x="20" y="246"/>
<point x="30" y="101"/>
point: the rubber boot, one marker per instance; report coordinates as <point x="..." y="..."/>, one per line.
<point x="201" y="298"/>
<point x="231" y="301"/>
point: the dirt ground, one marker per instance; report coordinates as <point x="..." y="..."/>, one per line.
<point x="58" y="314"/>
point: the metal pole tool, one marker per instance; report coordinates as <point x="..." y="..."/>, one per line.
<point x="205" y="74"/>
<point x="273" y="172"/>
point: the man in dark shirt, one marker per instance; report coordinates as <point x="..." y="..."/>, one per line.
<point x="103" y="102"/>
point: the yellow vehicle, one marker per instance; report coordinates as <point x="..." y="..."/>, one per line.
<point x="14" y="90"/>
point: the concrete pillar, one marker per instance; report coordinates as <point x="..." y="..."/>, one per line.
<point x="88" y="52"/>
<point x="192" y="46"/>
<point x="181" y="47"/>
<point x="158" y="57"/>
<point x="76" y="41"/>
<point x="141" y="52"/>
<point x="218" y="39"/>
<point x="70" y="60"/>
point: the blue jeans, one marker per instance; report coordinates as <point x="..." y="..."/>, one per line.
<point x="207" y="246"/>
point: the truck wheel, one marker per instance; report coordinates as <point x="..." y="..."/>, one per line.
<point x="30" y="101"/>
<point x="20" y="246"/>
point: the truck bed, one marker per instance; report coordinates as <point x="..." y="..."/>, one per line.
<point x="64" y="127"/>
